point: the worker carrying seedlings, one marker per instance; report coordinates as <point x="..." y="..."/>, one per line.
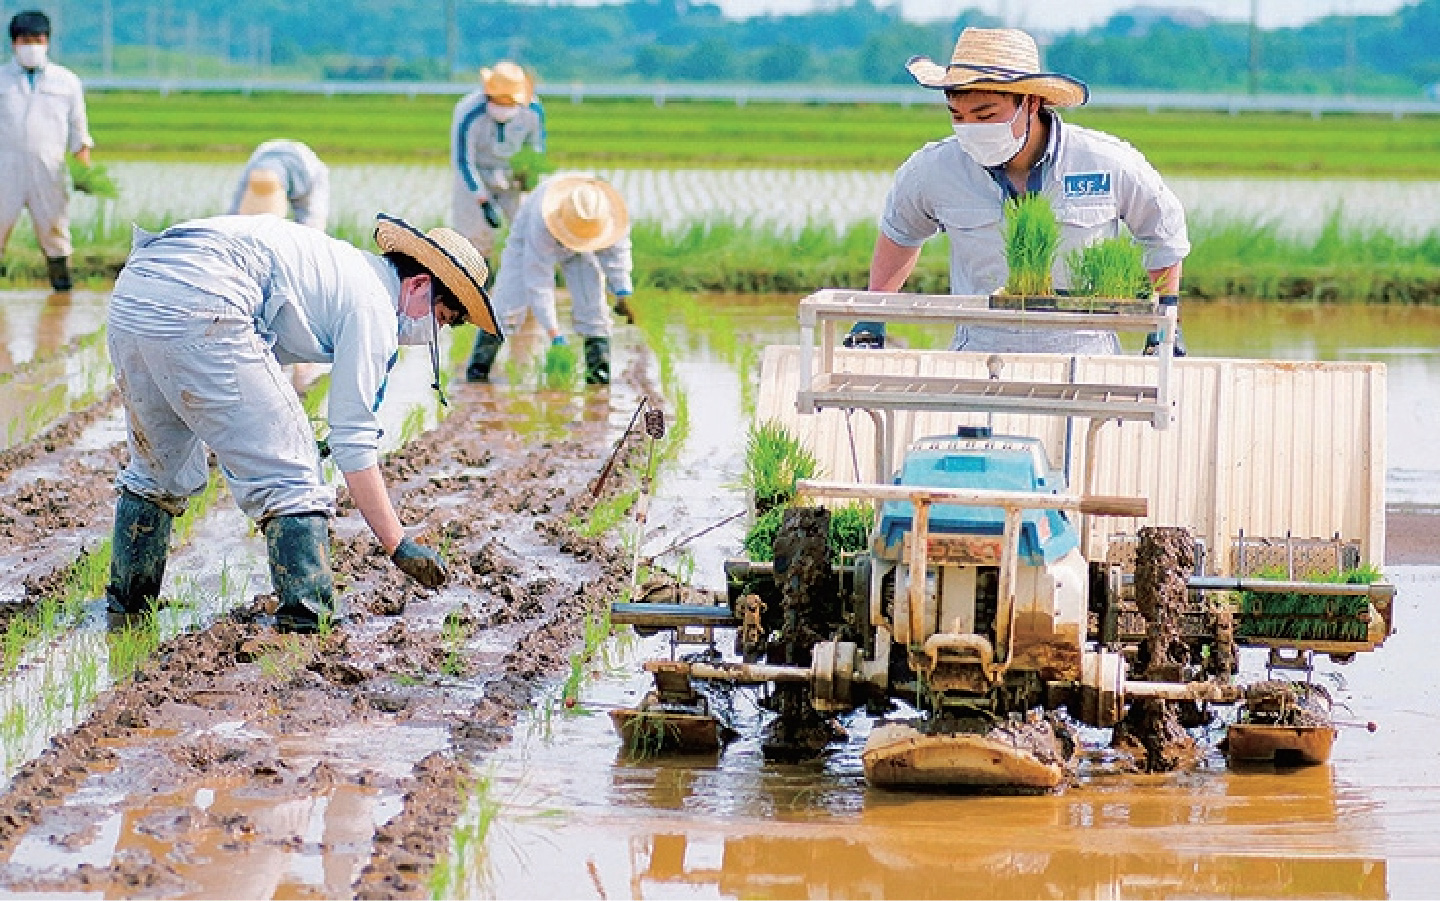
<point x="282" y="177"/>
<point x="489" y="127"/>
<point x="202" y="316"/>
<point x="42" y="117"/>
<point x="578" y="223"/>
<point x="1009" y="141"/>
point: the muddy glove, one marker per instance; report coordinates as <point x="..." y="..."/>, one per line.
<point x="419" y="563"/>
<point x="622" y="307"/>
<point x="491" y="213"/>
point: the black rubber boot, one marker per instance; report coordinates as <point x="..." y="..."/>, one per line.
<point x="139" y="548"/>
<point x="482" y="357"/>
<point x="597" y="360"/>
<point x="59" y="269"/>
<point x="299" y="550"/>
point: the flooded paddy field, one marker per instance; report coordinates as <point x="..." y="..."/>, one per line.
<point x="782" y="197"/>
<point x="239" y="764"/>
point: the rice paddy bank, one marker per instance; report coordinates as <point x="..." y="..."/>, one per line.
<point x="1229" y="260"/>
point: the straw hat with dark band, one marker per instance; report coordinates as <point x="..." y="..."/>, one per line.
<point x="583" y="213"/>
<point x="1004" y="60"/>
<point x="507" y="83"/>
<point x="448" y="257"/>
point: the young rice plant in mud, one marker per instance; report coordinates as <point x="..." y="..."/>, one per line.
<point x="462" y="872"/>
<point x="606" y="514"/>
<point x="453" y="633"/>
<point x="1032" y="241"/>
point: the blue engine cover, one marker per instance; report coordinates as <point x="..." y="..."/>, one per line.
<point x="1008" y="464"/>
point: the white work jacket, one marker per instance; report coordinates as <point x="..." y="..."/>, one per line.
<point x="41" y="121"/>
<point x="1094" y="181"/>
<point x="311" y="297"/>
<point x="480" y="147"/>
<point x="526" y="278"/>
<point x="305" y="177"/>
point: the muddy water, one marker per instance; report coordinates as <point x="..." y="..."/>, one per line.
<point x="580" y="819"/>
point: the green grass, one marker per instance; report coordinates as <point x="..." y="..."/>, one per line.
<point x="227" y="127"/>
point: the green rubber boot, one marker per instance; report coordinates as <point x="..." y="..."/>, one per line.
<point x="299" y="550"/>
<point x="597" y="361"/>
<point x="482" y="357"/>
<point x="139" y="548"/>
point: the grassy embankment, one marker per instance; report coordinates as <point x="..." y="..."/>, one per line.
<point x="1230" y="259"/>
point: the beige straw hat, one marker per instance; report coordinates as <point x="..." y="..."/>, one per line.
<point x="583" y="212"/>
<point x="508" y="83"/>
<point x="449" y="257"/>
<point x="1004" y="60"/>
<point x="264" y="193"/>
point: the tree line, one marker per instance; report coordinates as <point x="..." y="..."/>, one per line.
<point x="679" y="41"/>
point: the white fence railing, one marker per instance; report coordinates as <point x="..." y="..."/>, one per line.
<point x="741" y="94"/>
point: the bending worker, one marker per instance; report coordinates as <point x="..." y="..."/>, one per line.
<point x="489" y="127"/>
<point x="284" y="176"/>
<point x="578" y="223"/>
<point x="1009" y="141"/>
<point x="202" y="316"/>
<point x="42" y="117"/>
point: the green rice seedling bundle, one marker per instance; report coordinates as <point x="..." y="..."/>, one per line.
<point x="559" y="370"/>
<point x="1114" y="267"/>
<point x="528" y="166"/>
<point x="1032" y="243"/>
<point x="92" y="179"/>
<point x="1308" y="617"/>
<point x="850" y="527"/>
<point x="774" y="461"/>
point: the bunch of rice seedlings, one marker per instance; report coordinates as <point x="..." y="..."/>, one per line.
<point x="1114" y="267"/>
<point x="92" y="179"/>
<point x="850" y="527"/>
<point x="1308" y="617"/>
<point x="1032" y="242"/>
<point x="528" y="165"/>
<point x="559" y="370"/>
<point x="774" y="461"/>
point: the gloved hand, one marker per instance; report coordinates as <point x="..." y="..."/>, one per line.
<point x="865" y="334"/>
<point x="1152" y="339"/>
<point x="558" y="341"/>
<point x="419" y="563"/>
<point x="491" y="213"/>
<point x="622" y="307"/>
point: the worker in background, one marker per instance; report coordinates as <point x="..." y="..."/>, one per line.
<point x="578" y="223"/>
<point x="283" y="177"/>
<point x="489" y="127"/>
<point x="202" y="316"/>
<point x="1009" y="141"/>
<point x="42" y="117"/>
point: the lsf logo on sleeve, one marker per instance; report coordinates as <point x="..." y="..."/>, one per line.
<point x="1087" y="184"/>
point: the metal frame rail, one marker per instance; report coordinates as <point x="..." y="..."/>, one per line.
<point x="824" y="385"/>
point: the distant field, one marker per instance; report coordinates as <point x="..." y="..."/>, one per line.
<point x="225" y="127"/>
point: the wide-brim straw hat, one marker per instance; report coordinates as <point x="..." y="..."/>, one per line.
<point x="448" y="257"/>
<point x="583" y="212"/>
<point x="508" y="83"/>
<point x="1004" y="60"/>
<point x="264" y="193"/>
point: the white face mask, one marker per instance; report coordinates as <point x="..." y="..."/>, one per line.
<point x="992" y="143"/>
<point x="416" y="327"/>
<point x="31" y="56"/>
<point x="502" y="113"/>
